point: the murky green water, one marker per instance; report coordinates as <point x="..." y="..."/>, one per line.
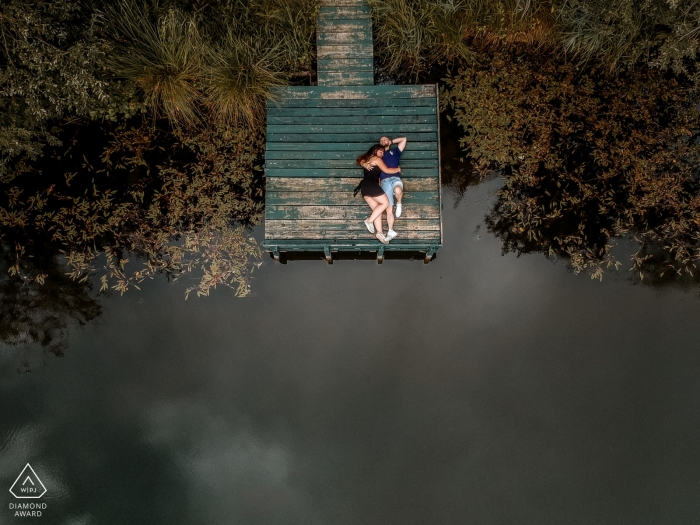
<point x="479" y="389"/>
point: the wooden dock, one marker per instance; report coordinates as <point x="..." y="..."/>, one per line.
<point x="315" y="133"/>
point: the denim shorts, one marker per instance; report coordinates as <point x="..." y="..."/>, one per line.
<point x="388" y="186"/>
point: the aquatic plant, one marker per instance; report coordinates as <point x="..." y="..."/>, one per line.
<point x="413" y="35"/>
<point x="625" y="33"/>
<point x="162" y="54"/>
<point x="241" y="74"/>
<point x="587" y="158"/>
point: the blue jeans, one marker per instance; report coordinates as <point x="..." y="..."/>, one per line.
<point x="388" y="186"/>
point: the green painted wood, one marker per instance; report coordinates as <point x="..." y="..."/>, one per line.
<point x="341" y="137"/>
<point x="353" y="119"/>
<point x="280" y="102"/>
<point x="315" y="134"/>
<point x="343" y="26"/>
<point x="352" y="13"/>
<point x="348" y="51"/>
<point x="341" y="172"/>
<point x="345" y="81"/>
<point x="342" y="184"/>
<point x="274" y="111"/>
<point x="348" y="64"/>
<point x="343" y="3"/>
<point x="342" y="226"/>
<point x="338" y="198"/>
<point x="408" y="155"/>
<point x="337" y="38"/>
<point x="330" y="92"/>
<point x="348" y="245"/>
<point x="352" y="129"/>
<point x="424" y="236"/>
<point x="406" y="165"/>
<point x="349" y="78"/>
<point x="356" y="212"/>
<point x="341" y="146"/>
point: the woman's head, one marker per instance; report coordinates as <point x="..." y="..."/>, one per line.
<point x="375" y="151"/>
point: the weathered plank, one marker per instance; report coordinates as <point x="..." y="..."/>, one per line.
<point x="336" y="64"/>
<point x="342" y="172"/>
<point x="346" y="51"/>
<point x="330" y="93"/>
<point x="407" y="155"/>
<point x="349" y="244"/>
<point x="343" y="3"/>
<point x="356" y="37"/>
<point x="343" y="26"/>
<point x="274" y="111"/>
<point x="358" y="211"/>
<point x="346" y="78"/>
<point x="348" y="225"/>
<point x="281" y="102"/>
<point x="357" y="147"/>
<point x="334" y="13"/>
<point x="272" y="232"/>
<point x="343" y="137"/>
<point x="343" y="120"/>
<point x="339" y="198"/>
<point x="406" y="165"/>
<point x="343" y="184"/>
<point x="353" y="129"/>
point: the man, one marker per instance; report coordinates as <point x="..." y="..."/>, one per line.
<point x="392" y="184"/>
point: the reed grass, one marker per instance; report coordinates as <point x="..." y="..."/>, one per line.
<point x="410" y="35"/>
<point x="218" y="64"/>
<point x="241" y="75"/>
<point x="161" y="52"/>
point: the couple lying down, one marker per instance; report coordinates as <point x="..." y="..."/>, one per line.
<point x="380" y="183"/>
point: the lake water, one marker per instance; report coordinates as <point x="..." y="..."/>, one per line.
<point x="479" y="389"/>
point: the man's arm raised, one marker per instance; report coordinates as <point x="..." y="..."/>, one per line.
<point x="401" y="141"/>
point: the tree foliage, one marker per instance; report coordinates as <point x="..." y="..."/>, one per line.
<point x="48" y="57"/>
<point x="586" y="158"/>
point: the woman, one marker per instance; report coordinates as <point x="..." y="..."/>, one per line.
<point x="372" y="192"/>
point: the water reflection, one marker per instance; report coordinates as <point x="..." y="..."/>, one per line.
<point x="476" y="389"/>
<point x="32" y="313"/>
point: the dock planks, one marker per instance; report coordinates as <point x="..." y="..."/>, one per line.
<point x="314" y="135"/>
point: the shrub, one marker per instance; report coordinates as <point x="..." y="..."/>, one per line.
<point x="586" y="158"/>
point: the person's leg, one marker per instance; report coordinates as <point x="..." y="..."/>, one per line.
<point x="372" y="203"/>
<point x="390" y="217"/>
<point x="376" y="217"/>
<point x="398" y="191"/>
<point x="387" y="185"/>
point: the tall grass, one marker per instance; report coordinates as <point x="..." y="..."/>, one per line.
<point x="162" y="54"/>
<point x="410" y="35"/>
<point x="219" y="63"/>
<point x="623" y="33"/>
<point x="241" y="75"/>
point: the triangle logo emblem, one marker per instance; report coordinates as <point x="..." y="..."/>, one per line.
<point x="27" y="484"/>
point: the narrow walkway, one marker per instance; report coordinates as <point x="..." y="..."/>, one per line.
<point x="315" y="133"/>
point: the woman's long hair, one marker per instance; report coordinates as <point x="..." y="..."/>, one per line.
<point x="371" y="152"/>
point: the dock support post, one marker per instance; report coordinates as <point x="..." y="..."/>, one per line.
<point x="380" y="255"/>
<point x="429" y="254"/>
<point x="276" y="253"/>
<point x="327" y="252"/>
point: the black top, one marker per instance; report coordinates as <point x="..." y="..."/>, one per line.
<point x="370" y="184"/>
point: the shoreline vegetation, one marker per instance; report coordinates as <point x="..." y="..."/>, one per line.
<point x="132" y="134"/>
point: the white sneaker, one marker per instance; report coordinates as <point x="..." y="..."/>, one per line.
<point x="370" y="226"/>
<point x="391" y="234"/>
<point x="398" y="210"/>
<point x="381" y="238"/>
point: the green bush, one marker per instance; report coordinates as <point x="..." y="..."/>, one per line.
<point x="586" y="158"/>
